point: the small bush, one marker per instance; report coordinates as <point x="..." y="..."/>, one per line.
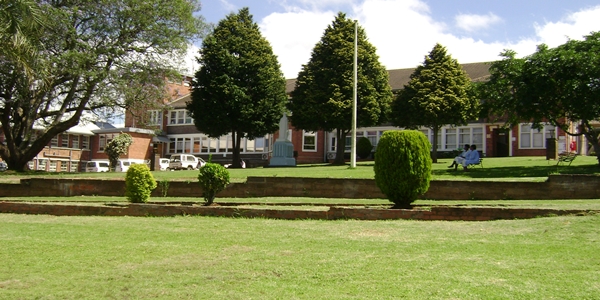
<point x="403" y="166"/>
<point x="139" y="183"/>
<point x="363" y="147"/>
<point x="213" y="178"/>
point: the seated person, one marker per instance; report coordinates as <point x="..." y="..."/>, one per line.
<point x="472" y="157"/>
<point x="459" y="159"/>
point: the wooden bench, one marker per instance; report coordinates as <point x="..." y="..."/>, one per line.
<point x="566" y="157"/>
<point x="480" y="163"/>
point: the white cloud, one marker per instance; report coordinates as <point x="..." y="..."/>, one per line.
<point x="227" y="5"/>
<point x="471" y="23"/>
<point x="404" y="31"/>
<point x="574" y="26"/>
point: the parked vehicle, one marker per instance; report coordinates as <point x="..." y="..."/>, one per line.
<point x="123" y="166"/>
<point x="185" y="161"/>
<point x="163" y="163"/>
<point x="3" y="166"/>
<point x="97" y="166"/>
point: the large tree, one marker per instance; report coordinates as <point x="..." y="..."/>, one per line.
<point x="560" y="86"/>
<point x="323" y="95"/>
<point x="89" y="48"/>
<point x="239" y="88"/>
<point x="438" y="94"/>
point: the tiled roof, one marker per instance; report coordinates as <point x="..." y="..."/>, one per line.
<point x="399" y="77"/>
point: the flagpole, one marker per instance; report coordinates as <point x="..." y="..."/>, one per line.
<point x="354" y="98"/>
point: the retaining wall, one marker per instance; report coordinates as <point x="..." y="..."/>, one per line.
<point x="556" y="187"/>
<point x="334" y="213"/>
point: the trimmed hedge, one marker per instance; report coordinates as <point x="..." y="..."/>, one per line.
<point x="213" y="178"/>
<point x="403" y="166"/>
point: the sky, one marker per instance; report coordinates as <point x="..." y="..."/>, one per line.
<point x="404" y="31"/>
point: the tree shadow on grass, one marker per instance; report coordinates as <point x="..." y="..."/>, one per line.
<point x="519" y="171"/>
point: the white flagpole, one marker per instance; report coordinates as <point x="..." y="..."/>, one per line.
<point x="354" y="98"/>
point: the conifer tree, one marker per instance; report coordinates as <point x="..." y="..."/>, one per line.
<point x="239" y="88"/>
<point x="437" y="94"/>
<point x="323" y="95"/>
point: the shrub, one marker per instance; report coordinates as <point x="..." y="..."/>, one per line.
<point x="117" y="147"/>
<point x="363" y="147"/>
<point x="403" y="166"/>
<point x="139" y="183"/>
<point x="213" y="178"/>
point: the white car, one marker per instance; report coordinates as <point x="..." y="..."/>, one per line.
<point x="163" y="164"/>
<point x="185" y="161"/>
<point x="123" y="166"/>
<point x="97" y="166"/>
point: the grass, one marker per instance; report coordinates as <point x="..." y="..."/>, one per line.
<point x="48" y="257"/>
<point x="495" y="168"/>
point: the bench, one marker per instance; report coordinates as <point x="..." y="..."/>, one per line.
<point x="566" y="157"/>
<point x="480" y="163"/>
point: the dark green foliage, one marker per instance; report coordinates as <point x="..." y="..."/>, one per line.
<point x="556" y="85"/>
<point x="117" y="147"/>
<point x="83" y="59"/>
<point x="239" y="88"/>
<point x="139" y="183"/>
<point x="363" y="147"/>
<point x="403" y="166"/>
<point x="323" y="95"/>
<point x="213" y="178"/>
<point x="437" y="94"/>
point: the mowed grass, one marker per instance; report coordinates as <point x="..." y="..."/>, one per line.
<point x="49" y="257"/>
<point x="535" y="168"/>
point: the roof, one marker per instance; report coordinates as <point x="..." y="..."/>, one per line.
<point x="181" y="102"/>
<point x="399" y="77"/>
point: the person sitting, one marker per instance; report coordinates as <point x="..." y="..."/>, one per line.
<point x="459" y="159"/>
<point x="471" y="158"/>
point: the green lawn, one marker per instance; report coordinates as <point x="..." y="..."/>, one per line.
<point x="48" y="257"/>
<point x="494" y="168"/>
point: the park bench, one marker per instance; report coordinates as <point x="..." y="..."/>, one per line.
<point x="480" y="163"/>
<point x="566" y="157"/>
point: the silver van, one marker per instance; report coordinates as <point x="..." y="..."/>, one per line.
<point x="97" y="166"/>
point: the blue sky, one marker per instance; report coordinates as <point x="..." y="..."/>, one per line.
<point x="404" y="31"/>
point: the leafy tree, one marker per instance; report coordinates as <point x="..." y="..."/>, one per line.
<point x="363" y="147"/>
<point x="438" y="94"/>
<point x="559" y="85"/>
<point x="89" y="50"/>
<point x="239" y="88"/>
<point x="323" y="95"/>
<point x="403" y="166"/>
<point x="117" y="147"/>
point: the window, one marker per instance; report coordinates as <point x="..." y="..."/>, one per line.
<point x="457" y="137"/>
<point x="64" y="140"/>
<point x="54" y="142"/>
<point x="179" y="117"/>
<point x="373" y="137"/>
<point x="155" y="117"/>
<point x="429" y="134"/>
<point x="85" y="142"/>
<point x="75" y="141"/>
<point x="309" y="141"/>
<point x="531" y="138"/>
<point x="104" y="139"/>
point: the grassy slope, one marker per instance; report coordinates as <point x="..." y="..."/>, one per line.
<point x="49" y="257"/>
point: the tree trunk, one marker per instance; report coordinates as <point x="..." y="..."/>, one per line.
<point x="592" y="137"/>
<point x="435" y="143"/>
<point x="340" y="150"/>
<point x="236" y="139"/>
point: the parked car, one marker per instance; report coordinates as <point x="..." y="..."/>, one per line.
<point x="97" y="166"/>
<point x="3" y="166"/>
<point x="123" y="166"/>
<point x="163" y="163"/>
<point x="184" y="161"/>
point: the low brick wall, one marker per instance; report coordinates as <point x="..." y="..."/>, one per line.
<point x="334" y="213"/>
<point x="556" y="187"/>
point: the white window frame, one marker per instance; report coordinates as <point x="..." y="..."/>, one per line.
<point x="180" y="117"/>
<point x="85" y="142"/>
<point x="309" y="147"/>
<point x="155" y="117"/>
<point x="64" y="138"/>
<point x="54" y="142"/>
<point x="527" y="134"/>
<point x="75" y="141"/>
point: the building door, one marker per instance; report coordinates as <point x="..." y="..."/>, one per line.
<point x="500" y="142"/>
